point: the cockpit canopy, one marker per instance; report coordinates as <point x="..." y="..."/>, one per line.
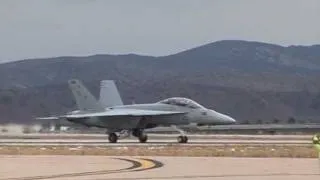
<point x="177" y="101"/>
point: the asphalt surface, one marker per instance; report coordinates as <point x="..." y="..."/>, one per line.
<point x="134" y="142"/>
<point x="152" y="136"/>
<point x="158" y="168"/>
<point x="138" y="168"/>
<point x="153" y="140"/>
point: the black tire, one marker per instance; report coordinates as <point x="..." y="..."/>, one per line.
<point x="185" y="139"/>
<point x="182" y="139"/>
<point x="143" y="138"/>
<point x="113" y="138"/>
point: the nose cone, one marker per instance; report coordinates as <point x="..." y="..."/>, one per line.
<point x="229" y="120"/>
<point x="222" y="118"/>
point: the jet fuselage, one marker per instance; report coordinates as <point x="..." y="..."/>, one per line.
<point x="199" y="116"/>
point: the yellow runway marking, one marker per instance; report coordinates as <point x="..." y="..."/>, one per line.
<point x="137" y="164"/>
<point x="146" y="164"/>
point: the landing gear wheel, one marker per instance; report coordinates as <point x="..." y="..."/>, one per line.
<point x="182" y="139"/>
<point x="143" y="138"/>
<point x="140" y="135"/>
<point x="113" y="138"/>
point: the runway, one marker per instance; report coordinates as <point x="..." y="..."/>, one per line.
<point x="153" y="136"/>
<point x="133" y="142"/>
<point x="86" y="157"/>
<point x="153" y="140"/>
<point x="155" y="167"/>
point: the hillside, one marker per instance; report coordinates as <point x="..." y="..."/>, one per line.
<point x="248" y="80"/>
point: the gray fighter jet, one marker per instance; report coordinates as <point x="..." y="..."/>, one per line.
<point x="110" y="113"/>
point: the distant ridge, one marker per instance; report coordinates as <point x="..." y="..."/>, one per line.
<point x="249" y="80"/>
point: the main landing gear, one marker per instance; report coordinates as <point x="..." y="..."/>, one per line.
<point x="182" y="138"/>
<point x="113" y="137"/>
<point x="140" y="135"/>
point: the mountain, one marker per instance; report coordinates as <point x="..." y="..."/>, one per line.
<point x="251" y="81"/>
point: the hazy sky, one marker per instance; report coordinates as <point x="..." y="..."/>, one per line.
<point x="45" y="28"/>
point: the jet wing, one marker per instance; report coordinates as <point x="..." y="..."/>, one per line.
<point x="123" y="112"/>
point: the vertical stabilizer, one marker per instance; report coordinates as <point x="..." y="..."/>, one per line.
<point x="109" y="94"/>
<point x="84" y="99"/>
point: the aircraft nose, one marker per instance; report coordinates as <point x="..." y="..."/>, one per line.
<point x="225" y="119"/>
<point x="231" y="120"/>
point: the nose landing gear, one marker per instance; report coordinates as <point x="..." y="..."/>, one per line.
<point x="182" y="138"/>
<point x="113" y="138"/>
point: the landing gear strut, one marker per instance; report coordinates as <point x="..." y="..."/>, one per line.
<point x="140" y="135"/>
<point x="182" y="138"/>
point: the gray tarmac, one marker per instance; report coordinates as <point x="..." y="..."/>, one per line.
<point x="152" y="136"/>
<point x="135" y="142"/>
<point x="160" y="168"/>
<point x="154" y="140"/>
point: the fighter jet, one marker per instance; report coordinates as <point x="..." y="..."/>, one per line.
<point x="110" y="113"/>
